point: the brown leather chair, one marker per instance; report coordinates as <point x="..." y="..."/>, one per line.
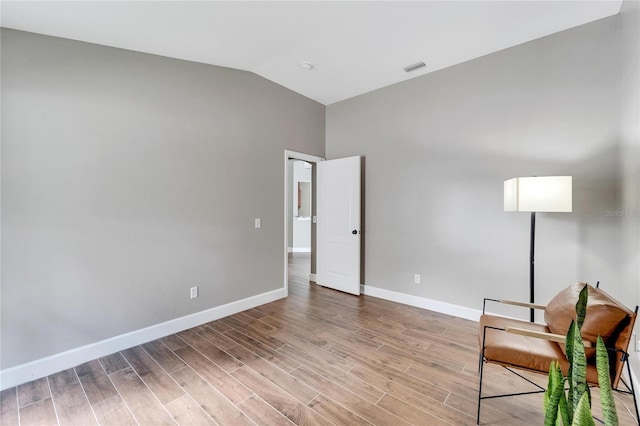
<point x="523" y="345"/>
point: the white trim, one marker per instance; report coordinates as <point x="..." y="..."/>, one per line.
<point x="422" y="302"/>
<point x="301" y="249"/>
<point x="312" y="277"/>
<point x="302" y="156"/>
<point x="43" y="367"/>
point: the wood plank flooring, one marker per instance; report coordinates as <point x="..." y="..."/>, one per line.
<point x="319" y="357"/>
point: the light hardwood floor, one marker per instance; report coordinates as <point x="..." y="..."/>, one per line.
<point x="317" y="357"/>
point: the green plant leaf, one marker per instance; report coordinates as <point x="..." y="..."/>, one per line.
<point x="579" y="368"/>
<point x="582" y="416"/>
<point x="563" y="409"/>
<point x="554" y="395"/>
<point x="604" y="382"/>
<point x="581" y="306"/>
<point x="568" y="343"/>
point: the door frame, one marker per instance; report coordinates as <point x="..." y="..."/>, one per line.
<point x="293" y="155"/>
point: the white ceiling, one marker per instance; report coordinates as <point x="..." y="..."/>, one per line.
<point x="355" y="46"/>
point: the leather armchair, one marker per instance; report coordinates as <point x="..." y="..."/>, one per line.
<point x="518" y="344"/>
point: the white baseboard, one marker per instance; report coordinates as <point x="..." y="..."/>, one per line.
<point x="52" y="364"/>
<point x="312" y="277"/>
<point x="422" y="302"/>
<point x="301" y="249"/>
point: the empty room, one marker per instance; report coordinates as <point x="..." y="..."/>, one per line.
<point x="319" y="212"/>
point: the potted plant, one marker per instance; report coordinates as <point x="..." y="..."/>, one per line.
<point x="573" y="408"/>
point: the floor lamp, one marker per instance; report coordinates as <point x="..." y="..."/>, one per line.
<point x="537" y="194"/>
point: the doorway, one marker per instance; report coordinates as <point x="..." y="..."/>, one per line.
<point x="301" y="202"/>
<point x="299" y="216"/>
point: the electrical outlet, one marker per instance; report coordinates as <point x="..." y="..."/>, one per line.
<point x="258" y="223"/>
<point x="416" y="278"/>
<point x="194" y="292"/>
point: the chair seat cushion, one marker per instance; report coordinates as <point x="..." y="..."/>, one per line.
<point x="523" y="351"/>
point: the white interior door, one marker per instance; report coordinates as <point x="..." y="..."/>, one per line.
<point x="338" y="224"/>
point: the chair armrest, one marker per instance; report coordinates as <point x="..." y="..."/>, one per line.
<point x="558" y="338"/>
<point x="523" y="304"/>
<point x="511" y="302"/>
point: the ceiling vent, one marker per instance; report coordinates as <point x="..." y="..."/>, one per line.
<point x="414" y="67"/>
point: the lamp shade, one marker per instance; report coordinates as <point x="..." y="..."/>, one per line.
<point x="538" y="194"/>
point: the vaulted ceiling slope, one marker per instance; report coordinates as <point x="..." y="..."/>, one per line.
<point x="353" y="46"/>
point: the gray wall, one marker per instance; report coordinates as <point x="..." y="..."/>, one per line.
<point x="128" y="178"/>
<point x="629" y="204"/>
<point x="439" y="147"/>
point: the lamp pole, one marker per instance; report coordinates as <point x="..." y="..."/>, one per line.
<point x="531" y="264"/>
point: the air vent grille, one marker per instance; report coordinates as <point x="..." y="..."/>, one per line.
<point x="414" y="67"/>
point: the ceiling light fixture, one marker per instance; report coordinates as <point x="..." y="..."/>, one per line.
<point x="307" y="66"/>
<point x="414" y="67"/>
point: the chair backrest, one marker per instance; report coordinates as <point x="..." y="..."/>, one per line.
<point x="605" y="316"/>
<point x="620" y="340"/>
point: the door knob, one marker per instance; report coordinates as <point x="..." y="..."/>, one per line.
<point x="354" y="232"/>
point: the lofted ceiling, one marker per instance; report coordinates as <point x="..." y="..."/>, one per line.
<point x="353" y="46"/>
